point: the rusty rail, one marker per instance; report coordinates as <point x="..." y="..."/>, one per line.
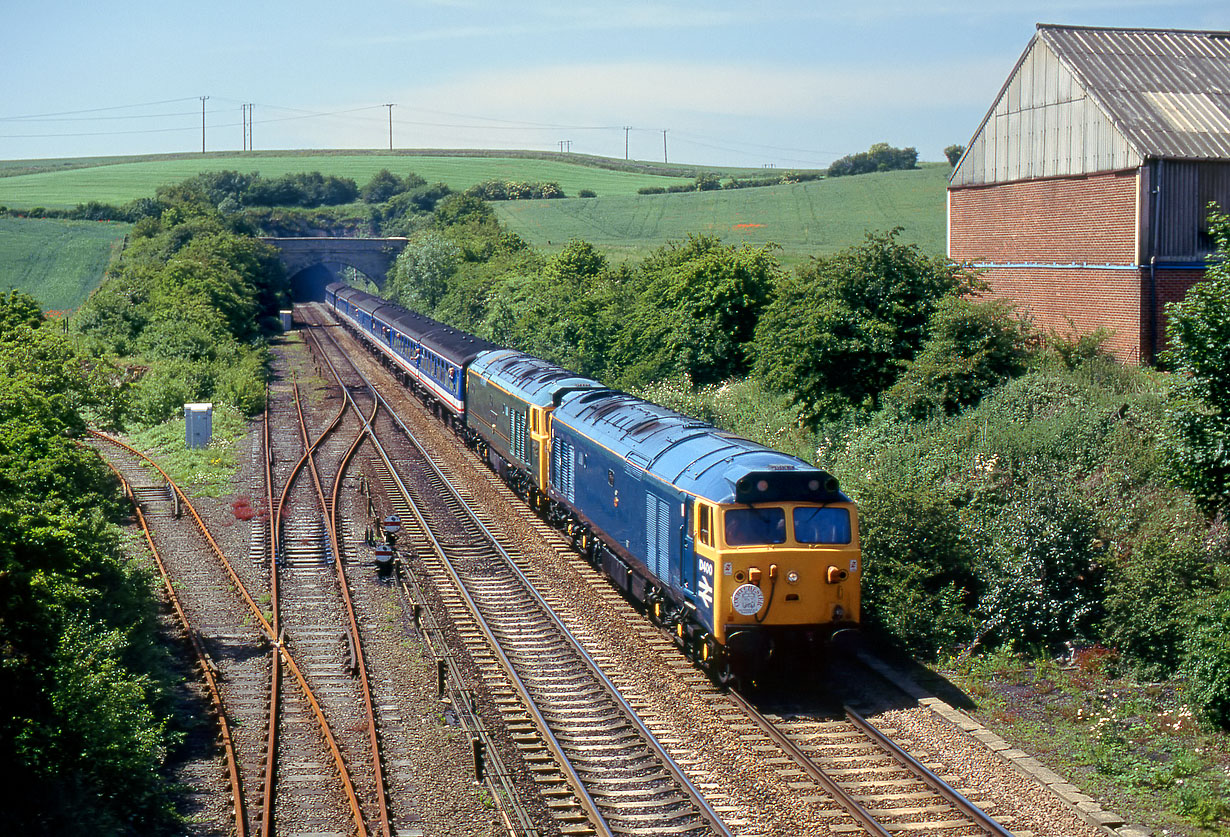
<point x="215" y="695"/>
<point x="287" y="658"/>
<point x="344" y="586"/>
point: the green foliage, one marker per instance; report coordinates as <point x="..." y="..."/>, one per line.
<point x="1048" y="508"/>
<point x="1199" y="333"/>
<point x="192" y="298"/>
<point x="918" y="568"/>
<point x="1078" y="347"/>
<point x="839" y="332"/>
<point x="971" y="347"/>
<point x="514" y="190"/>
<point x="82" y="729"/>
<point x="953" y="154"/>
<point x="1039" y="559"/>
<point x="419" y="277"/>
<point x="1207" y="661"/>
<point x="700" y="301"/>
<point x="880" y="157"/>
<point x="384" y="185"/>
<point x="1156" y="588"/>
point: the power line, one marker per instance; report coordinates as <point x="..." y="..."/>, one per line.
<point x="98" y="110"/>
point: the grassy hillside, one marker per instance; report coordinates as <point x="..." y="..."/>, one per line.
<point x="63" y="184"/>
<point x="805" y="218"/>
<point x="56" y="262"/>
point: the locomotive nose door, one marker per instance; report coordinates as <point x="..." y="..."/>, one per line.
<point x="687" y="556"/>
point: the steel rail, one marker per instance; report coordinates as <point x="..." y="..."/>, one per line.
<point x="343" y="584"/>
<point x="215" y="695"/>
<point x="288" y="658"/>
<point x="980" y="817"/>
<point x="704" y="809"/>
<point x="503" y="796"/>
<point x="275" y="669"/>
<point x="843" y="797"/>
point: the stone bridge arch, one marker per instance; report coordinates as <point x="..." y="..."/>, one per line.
<point x="312" y="262"/>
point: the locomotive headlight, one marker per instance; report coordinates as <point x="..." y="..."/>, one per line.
<point x="792" y="577"/>
<point x="839" y="613"/>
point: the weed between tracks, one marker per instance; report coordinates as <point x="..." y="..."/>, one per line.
<point x="207" y="471"/>
<point x="1132" y="744"/>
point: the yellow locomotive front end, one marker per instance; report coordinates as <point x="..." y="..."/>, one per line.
<point x="785" y="574"/>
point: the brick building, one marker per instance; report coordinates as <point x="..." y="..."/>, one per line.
<point x="1083" y="194"/>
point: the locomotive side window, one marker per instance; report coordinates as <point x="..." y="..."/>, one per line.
<point x="821" y="525"/>
<point x="754" y="526"/>
<point x="704" y="524"/>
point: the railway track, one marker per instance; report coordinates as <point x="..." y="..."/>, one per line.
<point x="620" y="776"/>
<point x="237" y="634"/>
<point x="880" y="788"/>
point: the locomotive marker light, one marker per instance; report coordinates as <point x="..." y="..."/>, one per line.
<point x="747" y="599"/>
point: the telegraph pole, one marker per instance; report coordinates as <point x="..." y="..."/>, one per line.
<point x="390" y="107"/>
<point x="203" y="98"/>
<point x="664" y="130"/>
<point x="627" y="128"/>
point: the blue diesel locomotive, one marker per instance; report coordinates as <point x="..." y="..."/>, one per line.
<point x="742" y="552"/>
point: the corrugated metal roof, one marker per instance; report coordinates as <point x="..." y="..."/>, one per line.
<point x="1166" y="90"/>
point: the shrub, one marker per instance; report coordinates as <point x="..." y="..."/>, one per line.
<point x="587" y="193"/>
<point x="1207" y="661"/>
<point x="917" y="567"/>
<point x="651" y="190"/>
<point x="972" y="346"/>
<point x="880" y="157"/>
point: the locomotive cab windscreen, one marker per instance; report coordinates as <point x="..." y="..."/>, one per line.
<point x="785" y="554"/>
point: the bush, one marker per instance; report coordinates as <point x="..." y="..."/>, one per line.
<point x="880" y="157"/>
<point x="587" y="193"/>
<point x="1039" y="568"/>
<point x="651" y="190"/>
<point x="1207" y="661"/>
<point x="917" y="568"/>
<point x="971" y="347"/>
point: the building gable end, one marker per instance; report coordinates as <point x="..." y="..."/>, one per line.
<point x="1043" y="124"/>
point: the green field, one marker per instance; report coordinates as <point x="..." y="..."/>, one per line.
<point x="60" y="262"/>
<point x="806" y="219"/>
<point x="56" y="262"/>
<point x="116" y="181"/>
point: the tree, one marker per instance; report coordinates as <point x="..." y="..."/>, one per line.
<point x="383" y="185"/>
<point x="419" y="278"/>
<point x="1199" y="331"/>
<point x="953" y="153"/>
<point x="839" y="331"/>
<point x="971" y="347"/>
<point x="879" y="157"/>
<point x="81" y="730"/>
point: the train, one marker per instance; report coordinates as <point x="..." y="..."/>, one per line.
<point x="747" y="555"/>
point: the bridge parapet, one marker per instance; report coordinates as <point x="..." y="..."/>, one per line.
<point x="372" y="257"/>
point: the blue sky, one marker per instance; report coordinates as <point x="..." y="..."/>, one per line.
<point x="791" y="84"/>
